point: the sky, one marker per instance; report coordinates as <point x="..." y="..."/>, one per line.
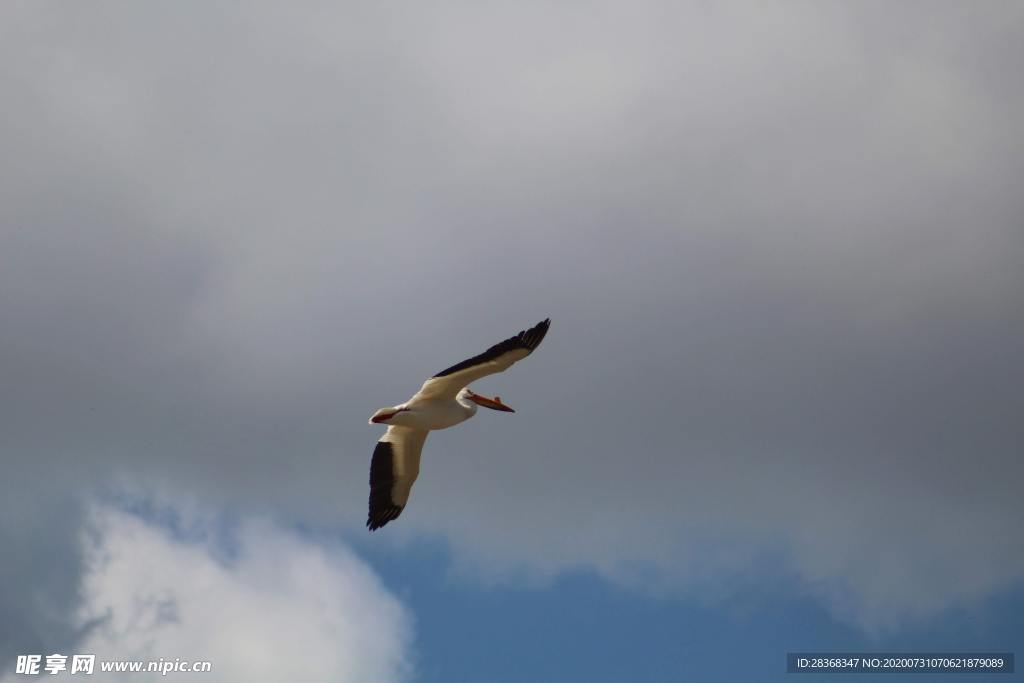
<point x="778" y="408"/>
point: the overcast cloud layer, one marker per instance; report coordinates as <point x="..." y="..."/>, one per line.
<point x="780" y="245"/>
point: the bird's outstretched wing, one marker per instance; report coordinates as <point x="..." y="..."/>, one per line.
<point x="393" y="469"/>
<point x="498" y="358"/>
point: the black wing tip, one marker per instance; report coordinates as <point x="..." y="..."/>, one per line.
<point x="526" y="339"/>
<point x="382" y="516"/>
<point x="382" y="478"/>
<point x="532" y="337"/>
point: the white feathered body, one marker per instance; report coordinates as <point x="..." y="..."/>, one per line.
<point x="430" y="413"/>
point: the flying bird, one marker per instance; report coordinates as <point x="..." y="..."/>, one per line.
<point x="443" y="401"/>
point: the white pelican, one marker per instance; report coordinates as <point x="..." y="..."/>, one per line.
<point x="443" y="401"/>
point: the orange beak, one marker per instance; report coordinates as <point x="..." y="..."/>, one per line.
<point x="492" y="403"/>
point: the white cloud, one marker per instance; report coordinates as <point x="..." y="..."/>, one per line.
<point x="275" y="607"/>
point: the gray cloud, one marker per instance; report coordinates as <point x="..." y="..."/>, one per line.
<point x="779" y="247"/>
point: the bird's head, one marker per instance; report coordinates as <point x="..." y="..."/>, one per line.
<point x="492" y="403"/>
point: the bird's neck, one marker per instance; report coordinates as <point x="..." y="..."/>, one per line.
<point x="468" y="405"/>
